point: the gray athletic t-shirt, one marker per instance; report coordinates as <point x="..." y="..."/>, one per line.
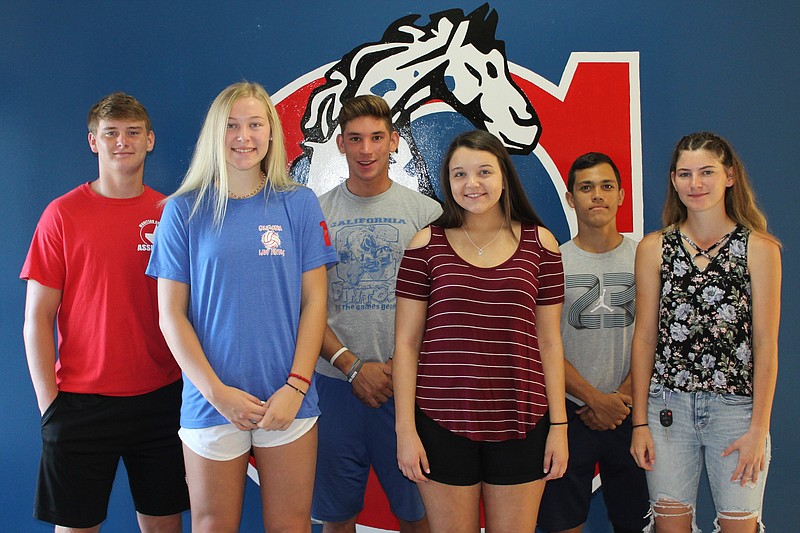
<point x="370" y="235"/>
<point x="599" y="311"/>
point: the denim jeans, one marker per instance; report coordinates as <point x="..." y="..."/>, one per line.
<point x="704" y="424"/>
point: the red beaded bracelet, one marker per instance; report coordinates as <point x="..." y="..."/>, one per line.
<point x="301" y="378"/>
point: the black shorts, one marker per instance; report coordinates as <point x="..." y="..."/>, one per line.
<point x="83" y="438"/>
<point x="457" y="460"/>
<point x="566" y="501"/>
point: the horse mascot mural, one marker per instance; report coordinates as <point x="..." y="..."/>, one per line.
<point x="454" y="60"/>
<point x="449" y="74"/>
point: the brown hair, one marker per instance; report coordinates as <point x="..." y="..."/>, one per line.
<point x="740" y="202"/>
<point x="366" y="105"/>
<point x="115" y="106"/>
<point x="513" y="201"/>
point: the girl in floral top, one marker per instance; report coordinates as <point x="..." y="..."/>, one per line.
<point x="705" y="348"/>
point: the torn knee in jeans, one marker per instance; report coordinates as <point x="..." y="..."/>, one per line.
<point x="666" y="507"/>
<point x="735" y="515"/>
<point x="738" y="516"/>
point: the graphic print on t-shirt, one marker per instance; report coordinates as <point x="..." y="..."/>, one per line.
<point x="147" y="232"/>
<point x="609" y="304"/>
<point x="271" y="239"/>
<point x="369" y="256"/>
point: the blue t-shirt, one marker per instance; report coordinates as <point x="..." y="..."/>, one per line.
<point x="245" y="280"/>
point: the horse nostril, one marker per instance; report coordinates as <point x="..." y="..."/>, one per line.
<point x="491" y="70"/>
<point x="530" y="120"/>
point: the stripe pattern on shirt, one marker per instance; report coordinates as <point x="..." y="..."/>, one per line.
<point x="480" y="371"/>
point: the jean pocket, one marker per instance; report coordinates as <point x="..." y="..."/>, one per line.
<point x="735" y="399"/>
<point x="656" y="389"/>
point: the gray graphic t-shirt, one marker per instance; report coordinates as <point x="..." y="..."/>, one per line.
<point x="599" y="310"/>
<point x="370" y="235"/>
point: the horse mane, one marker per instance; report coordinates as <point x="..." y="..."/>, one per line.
<point x="417" y="61"/>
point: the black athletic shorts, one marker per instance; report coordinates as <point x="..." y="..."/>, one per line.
<point x="457" y="460"/>
<point x="566" y="501"/>
<point x="83" y="438"/>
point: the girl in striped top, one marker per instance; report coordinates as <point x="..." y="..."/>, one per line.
<point x="478" y="364"/>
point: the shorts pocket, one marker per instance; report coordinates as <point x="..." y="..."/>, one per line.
<point x="735" y="399"/>
<point x="48" y="413"/>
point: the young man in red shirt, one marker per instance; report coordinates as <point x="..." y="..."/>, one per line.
<point x="111" y="388"/>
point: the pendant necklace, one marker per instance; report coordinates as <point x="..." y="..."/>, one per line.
<point x="251" y="194"/>
<point x="482" y="248"/>
<point x="705" y="252"/>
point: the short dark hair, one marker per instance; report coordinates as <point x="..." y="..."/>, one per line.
<point x="591" y="160"/>
<point x="118" y="105"/>
<point x="366" y="105"/>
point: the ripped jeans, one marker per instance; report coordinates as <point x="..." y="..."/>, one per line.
<point x="704" y="424"/>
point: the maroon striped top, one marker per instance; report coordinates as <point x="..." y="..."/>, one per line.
<point x="480" y="371"/>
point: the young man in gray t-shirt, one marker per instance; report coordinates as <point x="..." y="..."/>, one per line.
<point x="596" y="328"/>
<point x="371" y="219"/>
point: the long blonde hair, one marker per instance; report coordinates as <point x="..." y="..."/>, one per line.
<point x="208" y="174"/>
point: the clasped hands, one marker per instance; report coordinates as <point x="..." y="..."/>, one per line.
<point x="247" y="412"/>
<point x="607" y="411"/>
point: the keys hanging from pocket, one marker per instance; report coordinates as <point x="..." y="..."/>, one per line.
<point x="665" y="415"/>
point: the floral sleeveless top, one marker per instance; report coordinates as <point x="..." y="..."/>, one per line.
<point x="705" y="319"/>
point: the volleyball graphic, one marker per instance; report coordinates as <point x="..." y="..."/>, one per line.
<point x="270" y="239"/>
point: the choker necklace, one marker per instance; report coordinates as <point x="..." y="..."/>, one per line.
<point x="251" y="194"/>
<point x="704" y="252"/>
<point x="482" y="248"/>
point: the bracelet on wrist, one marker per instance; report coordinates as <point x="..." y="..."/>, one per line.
<point x="295" y="388"/>
<point x="301" y="378"/>
<point x="353" y="372"/>
<point x="336" y="355"/>
<point x="559" y="423"/>
<point x="639" y="425"/>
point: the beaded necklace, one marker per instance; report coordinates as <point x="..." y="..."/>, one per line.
<point x="251" y="194"/>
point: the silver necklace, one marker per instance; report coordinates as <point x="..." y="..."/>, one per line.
<point x="482" y="248"/>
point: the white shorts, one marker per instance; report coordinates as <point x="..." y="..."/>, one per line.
<point x="226" y="442"/>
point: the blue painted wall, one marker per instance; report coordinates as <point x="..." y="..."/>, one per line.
<point x="725" y="66"/>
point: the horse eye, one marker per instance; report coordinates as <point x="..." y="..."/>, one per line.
<point x="491" y="70"/>
<point x="474" y="72"/>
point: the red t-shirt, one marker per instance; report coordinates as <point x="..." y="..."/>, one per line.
<point x="95" y="249"/>
<point x="480" y="371"/>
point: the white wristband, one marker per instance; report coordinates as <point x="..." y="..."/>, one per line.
<point x="339" y="352"/>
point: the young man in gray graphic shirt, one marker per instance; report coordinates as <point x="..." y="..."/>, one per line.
<point x="597" y="327"/>
<point x="371" y="219"/>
